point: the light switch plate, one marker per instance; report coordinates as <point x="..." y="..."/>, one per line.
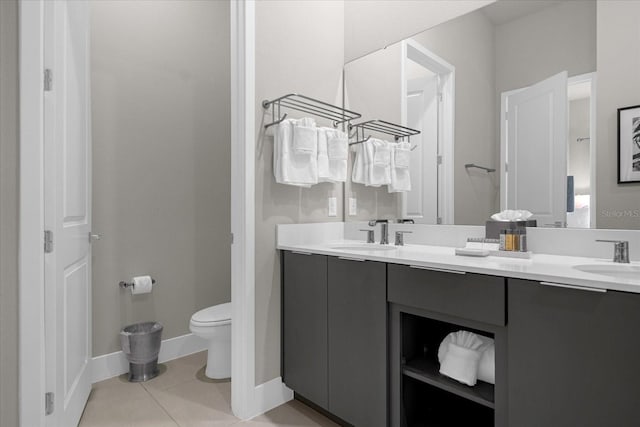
<point x="333" y="206"/>
<point x="353" y="206"/>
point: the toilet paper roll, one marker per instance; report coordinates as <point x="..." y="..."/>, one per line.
<point x="141" y="285"/>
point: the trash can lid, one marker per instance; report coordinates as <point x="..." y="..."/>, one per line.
<point x="214" y="314"/>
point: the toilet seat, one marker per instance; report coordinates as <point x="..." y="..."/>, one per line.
<point x="217" y="315"/>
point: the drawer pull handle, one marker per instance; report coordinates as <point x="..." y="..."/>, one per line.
<point x="441" y="270"/>
<point x="301" y="253"/>
<point x="580" y="288"/>
<point x="346" y="258"/>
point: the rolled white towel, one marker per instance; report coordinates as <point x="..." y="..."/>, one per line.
<point x="461" y="364"/>
<point x="487" y="364"/>
<point x="484" y="345"/>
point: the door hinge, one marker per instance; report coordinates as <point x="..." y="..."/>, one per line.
<point x="439" y="220"/>
<point x="48" y="80"/>
<point x="48" y="241"/>
<point x="439" y="160"/>
<point x="48" y="403"/>
<point x="506" y="167"/>
<point x="440" y="96"/>
<point x="232" y="238"/>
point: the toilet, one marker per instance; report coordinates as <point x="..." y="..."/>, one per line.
<point x="214" y="325"/>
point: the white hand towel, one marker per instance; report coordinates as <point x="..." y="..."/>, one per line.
<point x="288" y="166"/>
<point x="338" y="153"/>
<point x="358" y="174"/>
<point x="461" y="364"/>
<point x="305" y="140"/>
<point x="324" y="174"/>
<point x="380" y="162"/>
<point x="400" y="172"/>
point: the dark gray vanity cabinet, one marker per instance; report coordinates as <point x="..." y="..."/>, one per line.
<point x="358" y="341"/>
<point x="573" y="356"/>
<point x="304" y="326"/>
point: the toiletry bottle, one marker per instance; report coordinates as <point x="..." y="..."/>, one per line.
<point x="516" y="240"/>
<point x="503" y="240"/>
<point x="508" y="246"/>
<point x="523" y="240"/>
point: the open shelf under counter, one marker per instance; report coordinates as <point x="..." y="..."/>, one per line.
<point x="427" y="371"/>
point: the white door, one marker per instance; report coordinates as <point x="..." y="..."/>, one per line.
<point x="67" y="202"/>
<point x="421" y="203"/>
<point x="536" y="150"/>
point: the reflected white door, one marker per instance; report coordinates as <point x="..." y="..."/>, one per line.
<point x="536" y="150"/>
<point x="421" y="203"/>
<point x="67" y="196"/>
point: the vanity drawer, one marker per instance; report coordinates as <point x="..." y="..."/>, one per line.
<point x="467" y="295"/>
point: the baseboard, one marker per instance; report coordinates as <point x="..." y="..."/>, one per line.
<point x="270" y="395"/>
<point x="115" y="364"/>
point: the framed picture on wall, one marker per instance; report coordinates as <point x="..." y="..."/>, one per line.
<point x="629" y="144"/>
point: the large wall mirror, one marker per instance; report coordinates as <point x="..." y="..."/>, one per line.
<point x="505" y="99"/>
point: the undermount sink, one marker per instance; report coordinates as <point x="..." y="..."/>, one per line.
<point x="622" y="271"/>
<point x="364" y="247"/>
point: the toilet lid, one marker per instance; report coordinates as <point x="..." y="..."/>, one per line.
<point x="214" y="314"/>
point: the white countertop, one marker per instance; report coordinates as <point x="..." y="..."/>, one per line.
<point x="543" y="268"/>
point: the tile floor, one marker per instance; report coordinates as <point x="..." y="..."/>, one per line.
<point x="181" y="396"/>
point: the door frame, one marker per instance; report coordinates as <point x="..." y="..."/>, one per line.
<point x="31" y="253"/>
<point x="581" y="78"/>
<point x="248" y="399"/>
<point x="446" y="122"/>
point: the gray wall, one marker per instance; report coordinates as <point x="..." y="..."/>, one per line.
<point x="299" y="48"/>
<point x="618" y="86"/>
<point x="542" y="44"/>
<point x="579" y="158"/>
<point x="161" y="162"/>
<point x="372" y="88"/>
<point x="370" y="25"/>
<point x="467" y="43"/>
<point x="9" y="213"/>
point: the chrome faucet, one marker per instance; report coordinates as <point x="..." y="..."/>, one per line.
<point x="620" y="250"/>
<point x="384" y="229"/>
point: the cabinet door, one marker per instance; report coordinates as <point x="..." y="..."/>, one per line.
<point x="573" y="357"/>
<point x="304" y="325"/>
<point x="358" y="342"/>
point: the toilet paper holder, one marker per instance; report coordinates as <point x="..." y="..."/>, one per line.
<point x="125" y="285"/>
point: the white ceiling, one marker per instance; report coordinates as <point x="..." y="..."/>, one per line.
<point x="504" y="11"/>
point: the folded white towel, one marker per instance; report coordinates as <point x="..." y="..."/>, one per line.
<point x="402" y="153"/>
<point x="290" y="167"/>
<point x="379" y="157"/>
<point x="359" y="173"/>
<point x="461" y="364"/>
<point x="324" y="174"/>
<point x="400" y="172"/>
<point x="338" y="152"/>
<point x="305" y="140"/>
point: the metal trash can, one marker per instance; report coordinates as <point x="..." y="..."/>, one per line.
<point x="141" y="344"/>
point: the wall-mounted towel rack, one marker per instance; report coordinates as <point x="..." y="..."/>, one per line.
<point x="473" y="165"/>
<point x="380" y="126"/>
<point x="295" y="101"/>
